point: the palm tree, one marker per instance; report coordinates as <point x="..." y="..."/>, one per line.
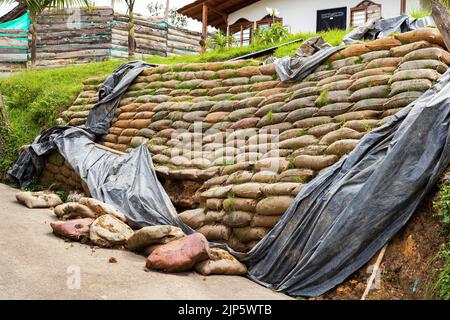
<point x="35" y="8"/>
<point x="131" y="29"/>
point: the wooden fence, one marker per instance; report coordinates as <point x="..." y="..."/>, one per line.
<point x="80" y="36"/>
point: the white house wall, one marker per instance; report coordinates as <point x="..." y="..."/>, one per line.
<point x="301" y="15"/>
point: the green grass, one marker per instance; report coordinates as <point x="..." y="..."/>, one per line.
<point x="442" y="204"/>
<point x="442" y="285"/>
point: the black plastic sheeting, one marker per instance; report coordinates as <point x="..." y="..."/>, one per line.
<point x="375" y="29"/>
<point x="344" y="216"/>
<point x="308" y="56"/>
<point x="336" y="223"/>
<point x="32" y="160"/>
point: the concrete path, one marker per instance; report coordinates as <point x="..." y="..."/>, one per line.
<point x="35" y="264"/>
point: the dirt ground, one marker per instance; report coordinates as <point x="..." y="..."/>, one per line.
<point x="409" y="264"/>
<point x="35" y="264"/>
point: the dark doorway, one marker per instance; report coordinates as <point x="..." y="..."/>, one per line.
<point x="332" y="19"/>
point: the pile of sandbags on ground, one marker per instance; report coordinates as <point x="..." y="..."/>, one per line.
<point x="253" y="141"/>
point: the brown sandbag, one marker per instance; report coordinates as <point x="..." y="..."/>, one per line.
<point x="100" y="208"/>
<point x="334" y="109"/>
<point x="299" y="114"/>
<point x="249" y="234"/>
<point x="305" y="92"/>
<point x="372" y="55"/>
<point x="342" y="147"/>
<point x="317" y="76"/>
<point x="402" y="99"/>
<point x="410" y="85"/>
<point x="390" y="112"/>
<point x="73" y="210"/>
<point x="332" y="79"/>
<point x="240" y="204"/>
<point x="217" y="232"/>
<point x="299" y="142"/>
<point x="351" y="69"/>
<point x="265" y="177"/>
<point x="350" y="51"/>
<point x="357" y="115"/>
<point x="237" y="218"/>
<point x="340" y="134"/>
<point x="107" y="231"/>
<point x="323" y="129"/>
<point x="280" y="188"/>
<point x="312" y="122"/>
<point x="315" y="162"/>
<point x="370" y="81"/>
<point x="431" y="35"/>
<point x="273" y="205"/>
<point x="338" y="85"/>
<point x="337" y="64"/>
<point x="41" y="199"/>
<point x="370" y="104"/>
<point x="179" y="255"/>
<point x="384" y="62"/>
<point x="221" y="262"/>
<point x="247" y="190"/>
<point x="423" y="64"/>
<point x="264" y="221"/>
<point x="429" y="74"/>
<point x="428" y="53"/>
<point x="373" y="72"/>
<point x="245" y="123"/>
<point x="238" y="177"/>
<point x="385" y="43"/>
<point x="362" y="125"/>
<point x="403" y="50"/>
<point x="151" y="235"/>
<point x="372" y="92"/>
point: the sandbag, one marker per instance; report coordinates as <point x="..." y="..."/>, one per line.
<point x="280" y="189"/>
<point x="217" y="232"/>
<point x="423" y="64"/>
<point x="299" y="142"/>
<point x="342" y="147"/>
<point x="403" y="50"/>
<point x="323" y="129"/>
<point x="247" y="190"/>
<point x="428" y="53"/>
<point x="362" y="125"/>
<point x="370" y="81"/>
<point x="315" y="162"/>
<point x="431" y="35"/>
<point x="264" y="221"/>
<point x="369" y="56"/>
<point x="429" y="74"/>
<point x="307" y="102"/>
<point x="338" y="85"/>
<point x="334" y="109"/>
<point x="220" y="262"/>
<point x="402" y="99"/>
<point x="179" y="255"/>
<point x="385" y="43"/>
<point x="370" y="104"/>
<point x="73" y="210"/>
<point x="237" y="218"/>
<point x="350" y="51"/>
<point x="312" y="122"/>
<point x="358" y="115"/>
<point x="41" y="199"/>
<point x="372" y="92"/>
<point x="101" y="208"/>
<point x="340" y="134"/>
<point x="384" y="62"/>
<point x="273" y="205"/>
<point x="107" y="231"/>
<point x="239" y="204"/>
<point x="153" y="235"/>
<point x="410" y="85"/>
<point x="249" y="234"/>
<point x="76" y="230"/>
<point x="373" y="72"/>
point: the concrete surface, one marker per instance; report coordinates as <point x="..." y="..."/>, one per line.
<point x="35" y="264"/>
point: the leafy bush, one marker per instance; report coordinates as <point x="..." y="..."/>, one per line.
<point x="442" y="204"/>
<point x="219" y="40"/>
<point x="442" y="286"/>
<point x="270" y="35"/>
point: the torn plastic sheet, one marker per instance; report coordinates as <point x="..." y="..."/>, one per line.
<point x="307" y="57"/>
<point x="375" y="29"/>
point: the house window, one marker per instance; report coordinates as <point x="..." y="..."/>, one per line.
<point x="363" y="12"/>
<point x="331" y="19"/>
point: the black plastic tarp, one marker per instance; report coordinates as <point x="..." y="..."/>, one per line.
<point x="375" y="29"/>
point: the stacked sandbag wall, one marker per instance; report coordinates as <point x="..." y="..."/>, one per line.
<point x="260" y="140"/>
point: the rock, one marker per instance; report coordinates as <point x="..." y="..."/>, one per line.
<point x="108" y="231"/>
<point x="153" y="235"/>
<point x="77" y="230"/>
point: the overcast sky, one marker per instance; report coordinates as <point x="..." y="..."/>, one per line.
<point x="141" y="8"/>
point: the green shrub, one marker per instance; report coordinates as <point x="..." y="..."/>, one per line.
<point x="442" y="204"/>
<point x="442" y="285"/>
<point x="271" y="35"/>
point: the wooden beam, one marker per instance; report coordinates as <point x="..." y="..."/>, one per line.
<point x="442" y="19"/>
<point x="402" y="6"/>
<point x="242" y="35"/>
<point x="204" y="27"/>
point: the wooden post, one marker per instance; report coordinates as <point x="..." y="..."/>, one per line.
<point x="402" y="6"/>
<point x="242" y="35"/>
<point x="228" y="35"/>
<point x="204" y="27"/>
<point x="442" y="19"/>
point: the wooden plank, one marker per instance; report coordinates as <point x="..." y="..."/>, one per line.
<point x="6" y="42"/>
<point x="45" y="28"/>
<point x="73" y="33"/>
<point x="69" y="48"/>
<point x="442" y="19"/>
<point x="64" y="20"/>
<point x="13" y="57"/>
<point x="184" y="40"/>
<point x="73" y="54"/>
<point x="77" y="40"/>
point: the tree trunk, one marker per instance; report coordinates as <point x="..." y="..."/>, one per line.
<point x="442" y="19"/>
<point x="131" y="36"/>
<point x="33" y="42"/>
